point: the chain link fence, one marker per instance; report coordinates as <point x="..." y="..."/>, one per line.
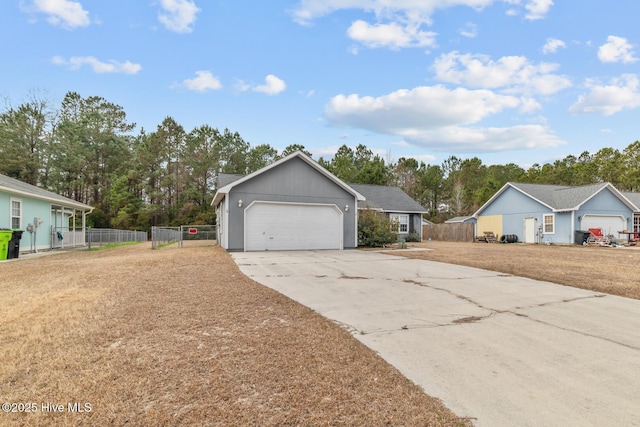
<point x="161" y="236"/>
<point x="191" y="235"/>
<point x="107" y="236"/>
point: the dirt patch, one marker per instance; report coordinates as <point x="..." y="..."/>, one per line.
<point x="610" y="270"/>
<point x="182" y="337"/>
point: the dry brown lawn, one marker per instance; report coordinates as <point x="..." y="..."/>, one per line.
<point x="181" y="337"/>
<point x="602" y="269"/>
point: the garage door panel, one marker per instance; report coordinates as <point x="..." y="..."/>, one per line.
<point x="285" y="226"/>
<point x="610" y="224"/>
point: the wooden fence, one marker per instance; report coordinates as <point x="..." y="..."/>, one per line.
<point x="457" y="232"/>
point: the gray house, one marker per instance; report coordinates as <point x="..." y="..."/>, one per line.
<point x="552" y="213"/>
<point x="396" y="204"/>
<point x="292" y="204"/>
<point x="49" y="220"/>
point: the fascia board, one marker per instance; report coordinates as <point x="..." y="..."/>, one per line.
<point x="225" y="190"/>
<point x="66" y="203"/>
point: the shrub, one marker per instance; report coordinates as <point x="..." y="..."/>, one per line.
<point x="375" y="229"/>
<point x="412" y="237"/>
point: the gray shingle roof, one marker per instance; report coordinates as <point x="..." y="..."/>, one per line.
<point x="389" y="199"/>
<point x="225" y="179"/>
<point x="15" y="186"/>
<point x="633" y="198"/>
<point x="457" y="219"/>
<point x="560" y="197"/>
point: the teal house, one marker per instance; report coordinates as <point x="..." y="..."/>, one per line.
<point x="49" y="221"/>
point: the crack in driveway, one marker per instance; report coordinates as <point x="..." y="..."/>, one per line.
<point x="515" y="311"/>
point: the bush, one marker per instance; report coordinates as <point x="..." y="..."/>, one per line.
<point x="412" y="237"/>
<point x="375" y="229"/>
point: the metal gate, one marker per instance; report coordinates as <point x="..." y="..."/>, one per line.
<point x="189" y="235"/>
<point x="197" y="235"/>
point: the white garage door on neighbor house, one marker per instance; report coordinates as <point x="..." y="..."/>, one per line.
<point x="610" y="224"/>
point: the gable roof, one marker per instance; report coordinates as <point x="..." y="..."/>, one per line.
<point x="230" y="180"/>
<point x="14" y="186"/>
<point x="458" y="219"/>
<point x="633" y="198"/>
<point x="387" y="199"/>
<point x="559" y="198"/>
<point x="225" y="179"/>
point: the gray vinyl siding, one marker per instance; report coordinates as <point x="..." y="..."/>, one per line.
<point x="293" y="181"/>
<point x="415" y="224"/>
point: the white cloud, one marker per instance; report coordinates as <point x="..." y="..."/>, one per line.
<point x="67" y="14"/>
<point x="241" y="85"/>
<point x="511" y="74"/>
<point x="552" y="45"/>
<point x="178" y="15"/>
<point x="391" y="35"/>
<point x="475" y="139"/>
<point x="616" y="49"/>
<point x="204" y="81"/>
<point x="414" y="10"/>
<point x="273" y="85"/>
<point x="469" y="30"/>
<point x="308" y="93"/>
<point x="100" y="67"/>
<point x="621" y="93"/>
<point x="439" y="118"/>
<point x="537" y="9"/>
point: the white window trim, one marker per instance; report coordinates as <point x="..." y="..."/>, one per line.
<point x="11" y="216"/>
<point x="397" y="217"/>
<point x="553" y="224"/>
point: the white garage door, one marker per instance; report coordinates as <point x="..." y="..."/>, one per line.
<point x="610" y="224"/>
<point x="292" y="226"/>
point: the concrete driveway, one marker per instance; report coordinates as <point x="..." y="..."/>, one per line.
<point x="500" y="349"/>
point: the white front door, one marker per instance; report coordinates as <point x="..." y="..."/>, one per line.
<point x="529" y="230"/>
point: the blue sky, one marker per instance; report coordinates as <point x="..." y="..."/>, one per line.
<point x="520" y="81"/>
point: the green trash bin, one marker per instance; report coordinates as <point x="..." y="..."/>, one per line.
<point x="5" y="238"/>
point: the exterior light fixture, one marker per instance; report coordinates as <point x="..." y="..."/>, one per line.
<point x="240" y="203"/>
<point x="346" y="208"/>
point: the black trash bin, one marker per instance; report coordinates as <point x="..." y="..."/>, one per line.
<point x="581" y="236"/>
<point x="14" y="244"/>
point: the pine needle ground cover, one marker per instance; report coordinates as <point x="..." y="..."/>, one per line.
<point x="133" y="336"/>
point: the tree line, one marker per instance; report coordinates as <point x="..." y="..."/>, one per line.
<point x="87" y="150"/>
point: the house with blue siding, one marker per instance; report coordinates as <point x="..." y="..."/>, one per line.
<point x="49" y="220"/>
<point x="538" y="213"/>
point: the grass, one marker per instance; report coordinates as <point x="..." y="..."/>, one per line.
<point x="181" y="337"/>
<point x="112" y="245"/>
<point x="610" y="270"/>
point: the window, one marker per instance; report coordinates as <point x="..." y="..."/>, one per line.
<point x="16" y="213"/>
<point x="403" y="222"/>
<point x="549" y="224"/>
